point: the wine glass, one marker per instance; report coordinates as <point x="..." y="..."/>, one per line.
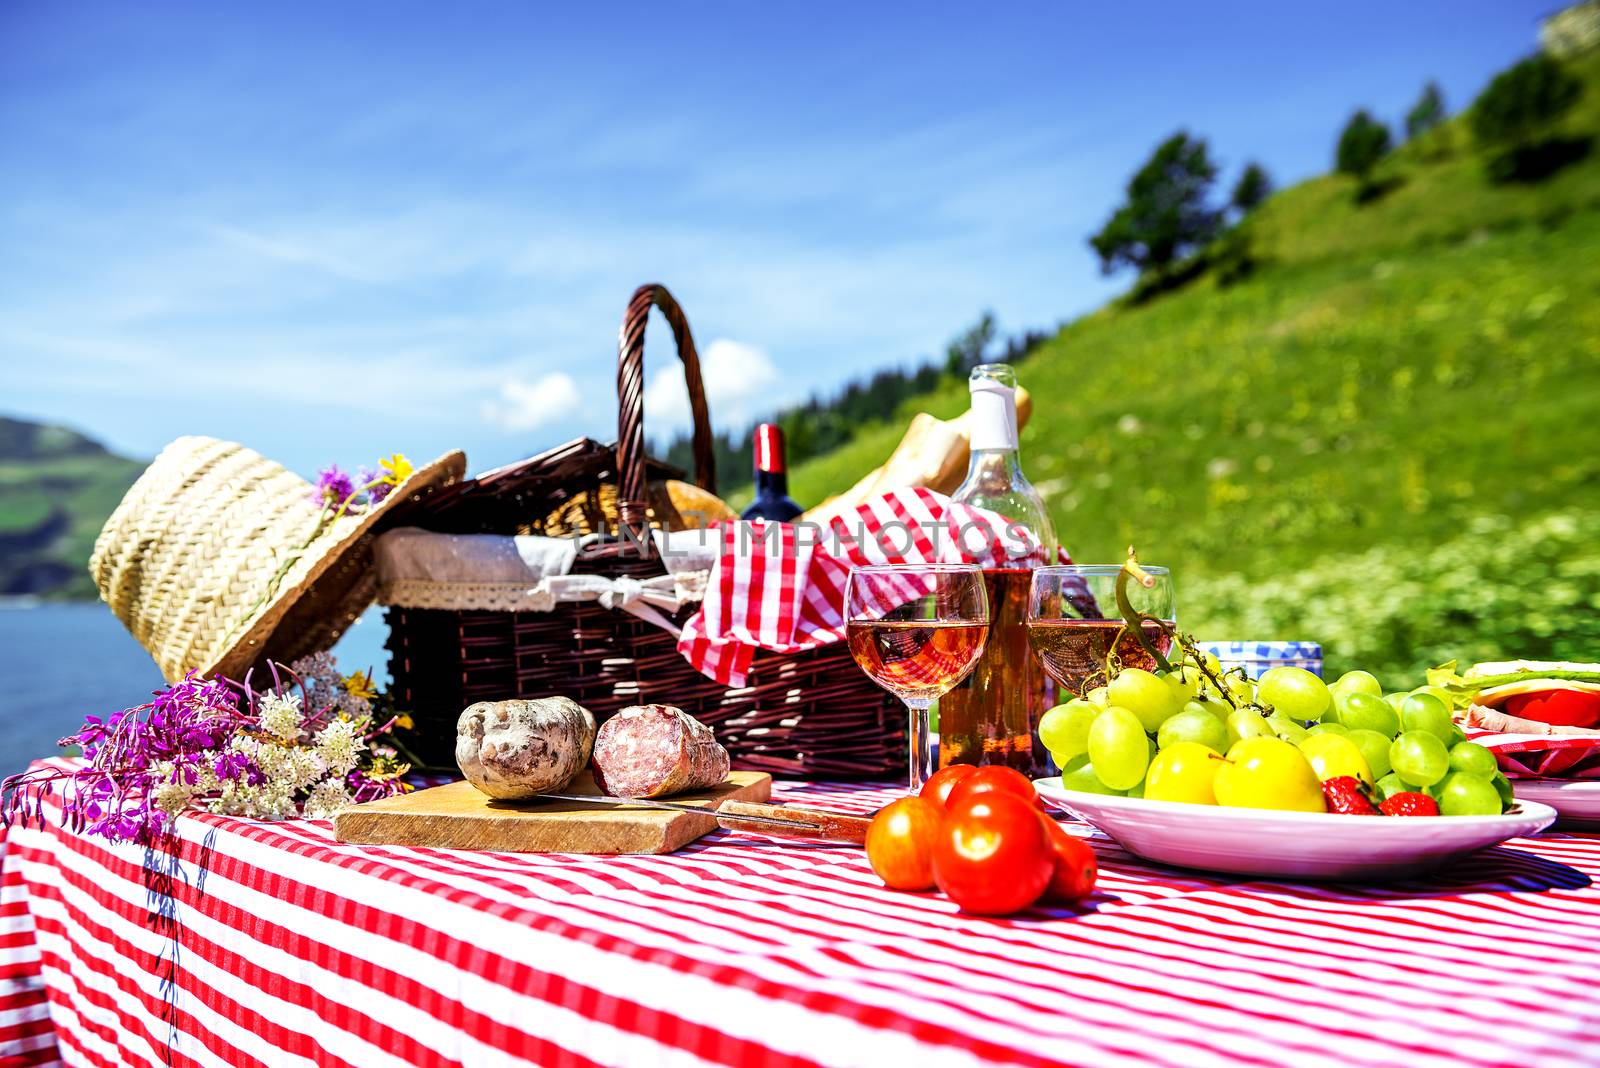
<point x="916" y="630"/>
<point x="1073" y="619"/>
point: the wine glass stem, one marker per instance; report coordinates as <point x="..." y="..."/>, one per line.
<point x="921" y="745"/>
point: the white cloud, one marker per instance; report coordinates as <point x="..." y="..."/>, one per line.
<point x="529" y="405"/>
<point x="739" y="380"/>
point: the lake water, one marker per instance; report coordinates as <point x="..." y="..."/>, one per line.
<point x="61" y="662"/>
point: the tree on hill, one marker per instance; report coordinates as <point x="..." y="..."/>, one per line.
<point x="1166" y="214"/>
<point x="1362" y="145"/>
<point x="966" y="352"/>
<point x="1515" y="119"/>
<point x="1427" y="113"/>
<point x="1253" y="186"/>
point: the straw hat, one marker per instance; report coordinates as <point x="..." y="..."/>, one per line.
<point x="214" y="559"/>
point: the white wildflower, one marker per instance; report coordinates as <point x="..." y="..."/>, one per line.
<point x="227" y="801"/>
<point x="293" y="768"/>
<point x="268" y="802"/>
<point x="280" y="715"/>
<point x="205" y="779"/>
<point x="268" y="756"/>
<point x="340" y="745"/>
<point x="172" y="797"/>
<point x="327" y="797"/>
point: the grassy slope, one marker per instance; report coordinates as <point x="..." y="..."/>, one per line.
<point x="1391" y="370"/>
<point x="87" y="486"/>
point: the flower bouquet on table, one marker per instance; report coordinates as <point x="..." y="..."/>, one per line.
<point x="308" y="744"/>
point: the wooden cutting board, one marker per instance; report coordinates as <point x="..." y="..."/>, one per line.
<point x="457" y="816"/>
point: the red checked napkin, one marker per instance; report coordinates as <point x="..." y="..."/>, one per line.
<point x="1543" y="756"/>
<point x="781" y="586"/>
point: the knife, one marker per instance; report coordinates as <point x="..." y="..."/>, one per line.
<point x="782" y="820"/>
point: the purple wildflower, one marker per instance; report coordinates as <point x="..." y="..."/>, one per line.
<point x="378" y="492"/>
<point x="113" y="793"/>
<point x="364" y="786"/>
<point x="133" y="759"/>
<point x="334" y="488"/>
<point x="237" y="767"/>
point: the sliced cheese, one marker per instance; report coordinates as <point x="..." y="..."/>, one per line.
<point x="1493" y="696"/>
<point x="1511" y="667"/>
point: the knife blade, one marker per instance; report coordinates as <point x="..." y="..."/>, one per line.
<point x="776" y="819"/>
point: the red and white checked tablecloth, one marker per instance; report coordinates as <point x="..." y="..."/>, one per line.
<point x="781" y="586"/>
<point x="744" y="950"/>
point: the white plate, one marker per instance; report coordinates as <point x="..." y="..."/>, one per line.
<point x="1296" y="845"/>
<point x="1576" y="801"/>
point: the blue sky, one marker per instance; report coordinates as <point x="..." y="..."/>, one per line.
<point x="332" y="231"/>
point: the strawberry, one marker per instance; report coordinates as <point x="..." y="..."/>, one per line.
<point x="1348" y="795"/>
<point x="1410" y="804"/>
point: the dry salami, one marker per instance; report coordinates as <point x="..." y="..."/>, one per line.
<point x="515" y="750"/>
<point x="655" y="750"/>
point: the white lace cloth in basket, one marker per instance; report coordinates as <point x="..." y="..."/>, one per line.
<point x="498" y="573"/>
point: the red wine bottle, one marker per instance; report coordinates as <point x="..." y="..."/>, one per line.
<point x="772" y="479"/>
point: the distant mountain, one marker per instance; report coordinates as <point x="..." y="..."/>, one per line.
<point x="56" y="489"/>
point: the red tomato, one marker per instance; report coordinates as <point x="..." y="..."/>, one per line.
<point x="900" y="842"/>
<point x="993" y="855"/>
<point x="1562" y="708"/>
<point x="1075" y="868"/>
<point x="940" y="783"/>
<point x="993" y="777"/>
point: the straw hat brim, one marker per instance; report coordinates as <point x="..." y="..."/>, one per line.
<point x="215" y="561"/>
<point x="338" y="587"/>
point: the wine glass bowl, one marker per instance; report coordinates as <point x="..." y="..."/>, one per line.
<point x="916" y="660"/>
<point x="1075" y="624"/>
<point x="916" y="630"/>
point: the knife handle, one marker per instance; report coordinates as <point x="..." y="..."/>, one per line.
<point x="808" y="822"/>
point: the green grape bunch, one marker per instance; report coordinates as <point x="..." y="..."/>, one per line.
<point x="1192" y="731"/>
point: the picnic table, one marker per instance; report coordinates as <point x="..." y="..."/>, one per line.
<point x="274" y="944"/>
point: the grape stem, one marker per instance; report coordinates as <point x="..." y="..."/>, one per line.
<point x="1133" y="620"/>
<point x="1191" y="650"/>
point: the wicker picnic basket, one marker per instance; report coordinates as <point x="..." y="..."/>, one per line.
<point x="813" y="714"/>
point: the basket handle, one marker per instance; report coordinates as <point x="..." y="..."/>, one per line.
<point x="630" y="401"/>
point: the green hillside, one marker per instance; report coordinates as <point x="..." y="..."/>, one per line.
<point x="1391" y="372"/>
<point x="56" y="489"/>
